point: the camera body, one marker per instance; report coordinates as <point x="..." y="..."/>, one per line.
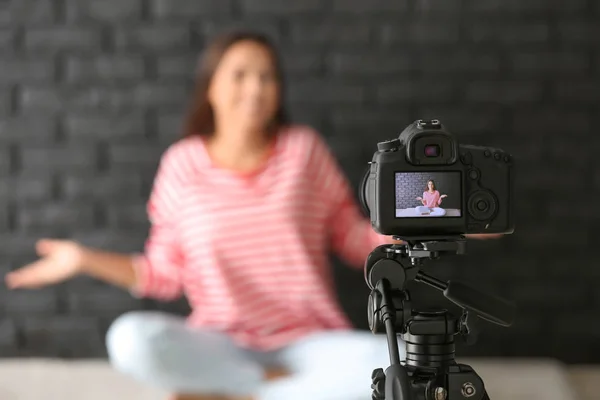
<point x="426" y="184"/>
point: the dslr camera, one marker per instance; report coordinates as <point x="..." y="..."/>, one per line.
<point x="426" y="184"/>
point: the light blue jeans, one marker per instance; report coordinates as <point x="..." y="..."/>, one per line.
<point x="160" y="350"/>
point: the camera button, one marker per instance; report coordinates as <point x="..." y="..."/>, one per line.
<point x="466" y="158"/>
<point x="473" y="174"/>
<point x="506" y="159"/>
<point x="487" y="153"/>
<point x="497" y="156"/>
<point x="482" y="205"/>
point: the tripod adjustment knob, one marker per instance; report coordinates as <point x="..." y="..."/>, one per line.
<point x="378" y="385"/>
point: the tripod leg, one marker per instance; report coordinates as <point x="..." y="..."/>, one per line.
<point x="485" y="396"/>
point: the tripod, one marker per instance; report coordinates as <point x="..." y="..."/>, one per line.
<point x="430" y="371"/>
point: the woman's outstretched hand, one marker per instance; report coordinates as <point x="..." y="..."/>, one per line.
<point x="443" y="196"/>
<point x="420" y="198"/>
<point x="59" y="261"/>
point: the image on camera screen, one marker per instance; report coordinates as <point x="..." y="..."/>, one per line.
<point x="428" y="194"/>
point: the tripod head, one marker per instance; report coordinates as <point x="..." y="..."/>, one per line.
<point x="428" y="335"/>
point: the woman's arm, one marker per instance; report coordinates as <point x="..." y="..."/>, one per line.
<point x="62" y="259"/>
<point x="484" y="236"/>
<point x="158" y="268"/>
<point x="154" y="273"/>
<point x="114" y="268"/>
<point x="351" y="235"/>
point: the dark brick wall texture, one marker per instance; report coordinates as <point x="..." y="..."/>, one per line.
<point x="93" y="91"/>
<point x="409" y="186"/>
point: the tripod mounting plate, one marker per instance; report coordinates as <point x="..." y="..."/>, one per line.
<point x="432" y="247"/>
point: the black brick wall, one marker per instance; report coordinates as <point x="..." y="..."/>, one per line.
<point x="92" y="92"/>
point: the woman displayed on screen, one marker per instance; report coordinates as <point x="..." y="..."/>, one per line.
<point x="431" y="196"/>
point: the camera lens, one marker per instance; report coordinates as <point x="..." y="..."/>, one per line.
<point x="432" y="150"/>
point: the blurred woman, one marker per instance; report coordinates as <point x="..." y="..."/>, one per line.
<point x="245" y="209"/>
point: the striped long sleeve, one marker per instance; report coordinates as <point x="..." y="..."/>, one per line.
<point x="352" y="236"/>
<point x="159" y="268"/>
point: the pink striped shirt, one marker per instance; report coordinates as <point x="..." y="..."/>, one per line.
<point x="250" y="252"/>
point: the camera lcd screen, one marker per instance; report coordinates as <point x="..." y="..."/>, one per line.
<point x="428" y="194"/>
